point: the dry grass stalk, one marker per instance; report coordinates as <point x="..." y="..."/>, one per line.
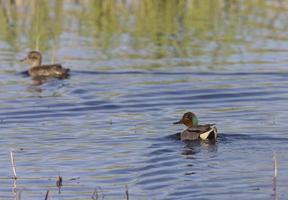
<point x="275" y="164"/>
<point x="13" y="164"/>
<point x="47" y="194"/>
<point x="95" y="195"/>
<point x="126" y="193"/>
<point x="18" y="195"/>
<point x="59" y="183"/>
<point x="274" y="179"/>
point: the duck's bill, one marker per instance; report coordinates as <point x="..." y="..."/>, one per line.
<point x="179" y="122"/>
<point x="23" y="60"/>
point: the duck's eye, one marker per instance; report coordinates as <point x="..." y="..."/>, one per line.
<point x="33" y="57"/>
<point x="188" y="117"/>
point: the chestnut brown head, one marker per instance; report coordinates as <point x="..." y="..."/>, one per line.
<point x="189" y="119"/>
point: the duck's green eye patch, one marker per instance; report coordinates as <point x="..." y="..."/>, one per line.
<point x="195" y="121"/>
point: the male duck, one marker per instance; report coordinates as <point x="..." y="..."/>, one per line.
<point x="37" y="70"/>
<point x="195" y="131"/>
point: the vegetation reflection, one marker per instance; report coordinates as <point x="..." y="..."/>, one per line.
<point x="164" y="28"/>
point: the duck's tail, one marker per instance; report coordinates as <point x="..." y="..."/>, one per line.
<point x="65" y="73"/>
<point x="211" y="133"/>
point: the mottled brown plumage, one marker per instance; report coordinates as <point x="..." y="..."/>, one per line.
<point x="37" y="70"/>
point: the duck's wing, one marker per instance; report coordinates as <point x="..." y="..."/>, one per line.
<point x="207" y="131"/>
<point x="51" y="66"/>
<point x="55" y="70"/>
<point x="190" y="134"/>
<point x="59" y="71"/>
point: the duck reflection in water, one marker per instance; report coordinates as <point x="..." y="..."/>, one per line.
<point x="41" y="73"/>
<point x="195" y="146"/>
<point x="191" y="147"/>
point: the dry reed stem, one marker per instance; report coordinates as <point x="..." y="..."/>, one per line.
<point x="59" y="183"/>
<point x="95" y="194"/>
<point x="126" y="193"/>
<point x="18" y="194"/>
<point x="274" y="179"/>
<point x="275" y="164"/>
<point x="47" y="194"/>
<point x="13" y="164"/>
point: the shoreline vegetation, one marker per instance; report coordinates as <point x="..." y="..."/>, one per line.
<point x="98" y="192"/>
<point x="167" y="28"/>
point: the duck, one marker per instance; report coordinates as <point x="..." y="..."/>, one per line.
<point x="194" y="131"/>
<point x="34" y="58"/>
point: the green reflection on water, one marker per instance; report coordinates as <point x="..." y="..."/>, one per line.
<point x="165" y="28"/>
<point x="35" y="23"/>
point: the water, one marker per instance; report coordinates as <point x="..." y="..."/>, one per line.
<point x="137" y="66"/>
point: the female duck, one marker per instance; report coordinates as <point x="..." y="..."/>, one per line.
<point x="195" y="131"/>
<point x="37" y="70"/>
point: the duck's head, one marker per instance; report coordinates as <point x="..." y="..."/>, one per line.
<point x="189" y="119"/>
<point x="34" y="58"/>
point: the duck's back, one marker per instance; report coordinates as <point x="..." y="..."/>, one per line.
<point x="55" y="70"/>
<point x="200" y="131"/>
